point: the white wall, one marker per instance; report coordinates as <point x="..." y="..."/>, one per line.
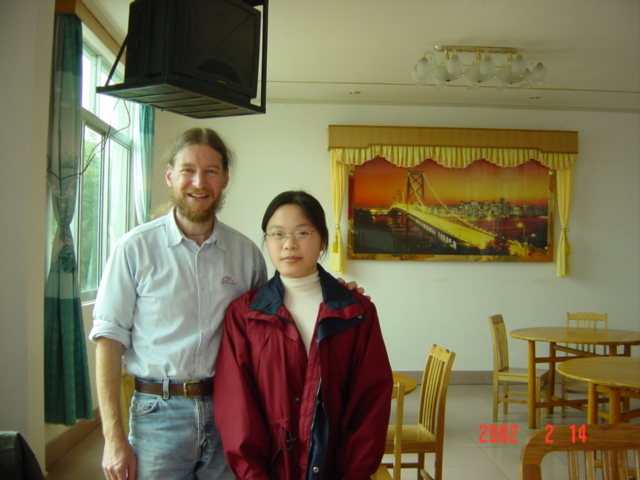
<point x="448" y="303"/>
<point x="419" y="302"/>
<point x="26" y="28"/>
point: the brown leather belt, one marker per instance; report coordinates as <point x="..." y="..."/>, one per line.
<point x="191" y="389"/>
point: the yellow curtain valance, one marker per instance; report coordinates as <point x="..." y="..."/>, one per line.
<point x="360" y="137"/>
<point x="451" y="157"/>
<point x="408" y="147"/>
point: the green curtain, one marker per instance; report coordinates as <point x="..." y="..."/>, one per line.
<point x="143" y="135"/>
<point x="67" y="386"/>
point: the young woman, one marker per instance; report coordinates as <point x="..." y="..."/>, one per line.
<point x="303" y="383"/>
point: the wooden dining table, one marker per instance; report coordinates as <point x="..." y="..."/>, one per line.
<point x="559" y="340"/>
<point x="409" y="383"/>
<point x="617" y="377"/>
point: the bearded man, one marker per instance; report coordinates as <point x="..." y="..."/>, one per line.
<point x="161" y="302"/>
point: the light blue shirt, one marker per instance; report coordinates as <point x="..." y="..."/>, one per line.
<point x="164" y="298"/>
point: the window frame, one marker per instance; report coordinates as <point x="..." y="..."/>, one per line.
<point x="100" y="66"/>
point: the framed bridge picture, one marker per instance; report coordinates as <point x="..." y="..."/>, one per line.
<point x="429" y="212"/>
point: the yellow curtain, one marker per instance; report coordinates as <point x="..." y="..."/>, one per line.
<point x="451" y="157"/>
<point x="564" y="180"/>
<point x="410" y="146"/>
<point x="338" y="184"/>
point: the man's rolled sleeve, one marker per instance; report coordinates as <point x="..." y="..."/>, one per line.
<point x="116" y="299"/>
<point x="104" y="328"/>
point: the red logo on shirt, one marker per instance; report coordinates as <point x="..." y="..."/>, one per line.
<point x="228" y="279"/>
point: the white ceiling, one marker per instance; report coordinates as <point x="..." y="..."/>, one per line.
<point x="322" y="50"/>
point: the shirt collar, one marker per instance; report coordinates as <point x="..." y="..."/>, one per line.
<point x="175" y="235"/>
<point x="217" y="235"/>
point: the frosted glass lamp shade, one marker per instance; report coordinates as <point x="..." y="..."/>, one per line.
<point x="423" y="67"/>
<point x="519" y="65"/>
<point x="539" y="73"/>
<point x="454" y="66"/>
<point x="487" y="67"/>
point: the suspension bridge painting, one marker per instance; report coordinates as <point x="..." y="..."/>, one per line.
<point x="429" y="212"/>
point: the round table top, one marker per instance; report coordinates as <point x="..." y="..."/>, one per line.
<point x="623" y="372"/>
<point x="409" y="383"/>
<point x="609" y="336"/>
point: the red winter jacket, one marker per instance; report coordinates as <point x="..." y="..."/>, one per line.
<point x="285" y="416"/>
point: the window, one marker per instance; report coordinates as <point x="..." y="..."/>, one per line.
<point x="105" y="207"/>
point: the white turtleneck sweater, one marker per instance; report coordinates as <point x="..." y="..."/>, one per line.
<point x="302" y="297"/>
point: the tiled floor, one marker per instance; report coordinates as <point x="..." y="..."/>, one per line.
<point x="468" y="408"/>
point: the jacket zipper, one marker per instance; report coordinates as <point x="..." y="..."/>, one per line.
<point x="313" y="421"/>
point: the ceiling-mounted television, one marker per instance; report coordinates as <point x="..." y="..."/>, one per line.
<point x="180" y="54"/>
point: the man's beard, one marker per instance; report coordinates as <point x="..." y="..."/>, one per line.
<point x="195" y="215"/>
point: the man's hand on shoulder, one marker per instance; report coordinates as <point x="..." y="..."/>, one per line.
<point x="352" y="286"/>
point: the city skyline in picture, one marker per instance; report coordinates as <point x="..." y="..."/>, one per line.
<point x="377" y="181"/>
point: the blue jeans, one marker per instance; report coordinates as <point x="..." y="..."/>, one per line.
<point x="176" y="439"/>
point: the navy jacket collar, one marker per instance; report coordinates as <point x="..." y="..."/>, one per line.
<point x="270" y="298"/>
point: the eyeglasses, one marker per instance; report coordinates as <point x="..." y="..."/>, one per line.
<point x="299" y="235"/>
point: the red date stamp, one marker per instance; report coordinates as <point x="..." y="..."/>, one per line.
<point x="498" y="433"/>
<point x="578" y="433"/>
<point x="507" y="433"/>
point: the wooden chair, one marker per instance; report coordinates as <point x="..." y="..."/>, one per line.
<point x="585" y="320"/>
<point x="614" y="441"/>
<point x="383" y="471"/>
<point x="589" y="321"/>
<point x="504" y="373"/>
<point x="428" y="435"/>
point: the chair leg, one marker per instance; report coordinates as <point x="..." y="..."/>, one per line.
<point x="544" y="396"/>
<point x="421" y="468"/>
<point x="538" y="390"/>
<point x="505" y="406"/>
<point x="563" y="394"/>
<point x="425" y="475"/>
<point x="496" y="393"/>
<point x="438" y="463"/>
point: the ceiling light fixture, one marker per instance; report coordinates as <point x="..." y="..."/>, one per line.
<point x="516" y="71"/>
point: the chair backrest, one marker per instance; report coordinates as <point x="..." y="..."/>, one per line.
<point x="500" y="344"/>
<point x="433" y="393"/>
<point x="613" y="440"/>
<point x="588" y="320"/>
<point x="398" y="394"/>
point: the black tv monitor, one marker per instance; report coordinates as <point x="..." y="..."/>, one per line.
<point x="211" y="41"/>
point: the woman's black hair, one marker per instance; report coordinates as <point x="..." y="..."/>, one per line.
<point x="309" y="205"/>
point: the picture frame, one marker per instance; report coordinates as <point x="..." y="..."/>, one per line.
<point x="481" y="213"/>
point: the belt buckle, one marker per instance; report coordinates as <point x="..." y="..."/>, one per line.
<point x="185" y="386"/>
